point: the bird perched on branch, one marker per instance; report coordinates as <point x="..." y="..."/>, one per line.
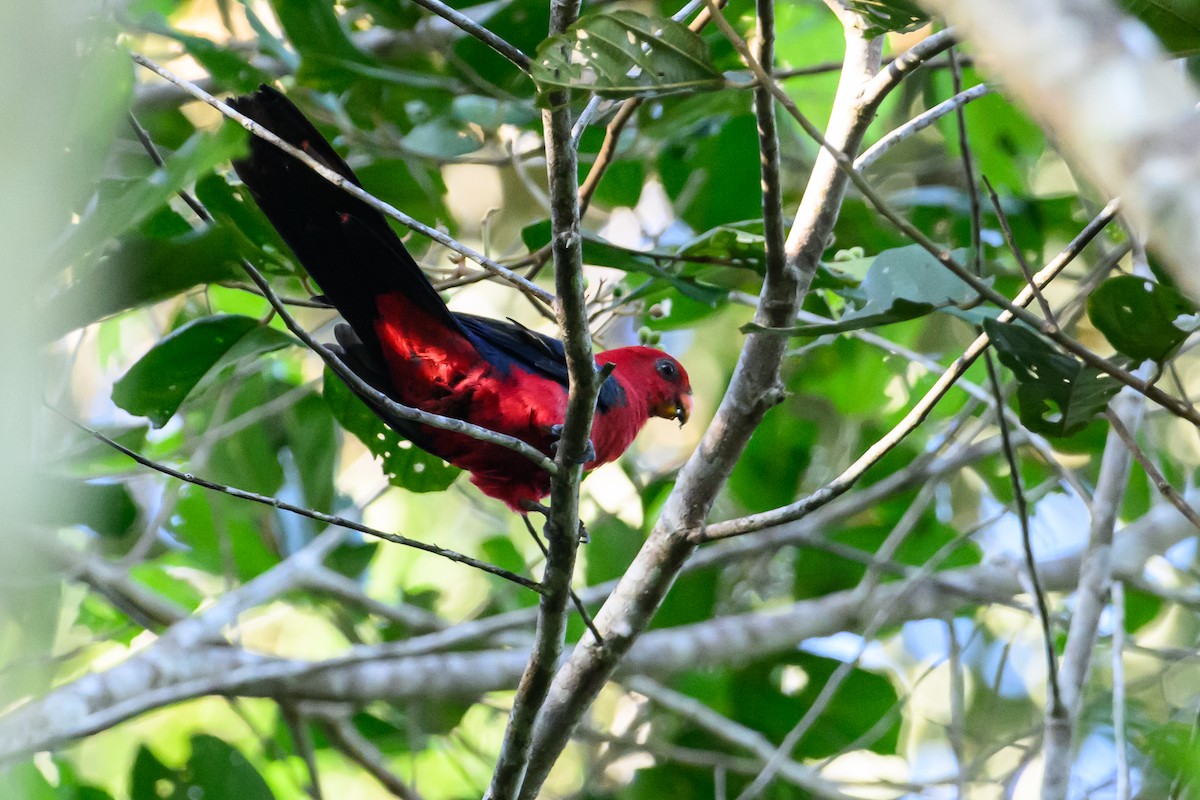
<point x="402" y="340"/>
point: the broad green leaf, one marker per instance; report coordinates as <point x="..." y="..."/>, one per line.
<point x="1057" y="395"/>
<point x="739" y="244"/>
<point x="25" y="782"/>
<point x="490" y="113"/>
<point x="314" y="29"/>
<point x="215" y="526"/>
<point x="1140" y="318"/>
<point x="143" y="269"/>
<point x="441" y="139"/>
<point x="900" y="284"/>
<point x="406" y="464"/>
<point x="1175" y="22"/>
<point x="889" y="16"/>
<point x="162" y="379"/>
<point x="124" y="208"/>
<point x="157" y="577"/>
<point x="311" y="438"/>
<point x="220" y="771"/>
<point x="224" y="64"/>
<point x="215" y="771"/>
<point x="625" y="54"/>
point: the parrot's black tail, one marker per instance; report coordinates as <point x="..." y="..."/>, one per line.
<point x="343" y="243"/>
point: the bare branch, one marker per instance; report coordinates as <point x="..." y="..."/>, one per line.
<point x="319" y="516"/>
<point x="183" y="668"/>
<point x="1091" y="598"/>
<point x="919" y="123"/>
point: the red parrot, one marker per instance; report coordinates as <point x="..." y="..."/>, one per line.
<point x="402" y="339"/>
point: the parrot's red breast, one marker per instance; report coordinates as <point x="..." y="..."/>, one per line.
<point x="403" y="340"/>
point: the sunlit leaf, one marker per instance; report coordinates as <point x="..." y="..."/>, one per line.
<point x="889" y="16"/>
<point x="625" y="54"/>
<point x="162" y="379"/>
<point x="1140" y="318"/>
<point x="900" y="284"/>
<point x="141" y="270"/>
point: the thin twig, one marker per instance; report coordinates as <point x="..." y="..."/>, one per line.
<point x="964" y="146"/>
<point x="915" y="416"/>
<point x="360" y="750"/>
<point x="919" y="123"/>
<point x="320" y="516"/>
<point x="1169" y="492"/>
<point x="701" y="716"/>
<point x="465" y="23"/>
<point x="578" y="603"/>
<point x="1039" y="594"/>
<point x="1118" y="689"/>
<point x="297" y="725"/>
<point x="978" y="285"/>
<point x="1015" y="249"/>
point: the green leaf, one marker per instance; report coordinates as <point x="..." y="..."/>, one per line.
<point x="1175" y="22"/>
<point x="311" y="438"/>
<point x="127" y="205"/>
<point x="220" y="771"/>
<point x="215" y="771"/>
<point x="442" y="139"/>
<point x="1057" y="394"/>
<point x="900" y="284"/>
<point x="889" y="16"/>
<point x="1142" y="319"/>
<point x="162" y="379"/>
<point x="143" y="269"/>
<point x="626" y="54"/>
<point x="225" y="65"/>
<point x="406" y="464"/>
<point x="315" y="31"/>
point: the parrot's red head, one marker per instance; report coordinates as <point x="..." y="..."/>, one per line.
<point x="655" y="378"/>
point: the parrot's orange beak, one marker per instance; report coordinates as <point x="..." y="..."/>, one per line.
<point x="680" y="408"/>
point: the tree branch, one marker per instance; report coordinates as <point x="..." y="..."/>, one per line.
<point x="753" y="389"/>
<point x="179" y="667"/>
<point x="1098" y="81"/>
<point x="562" y="524"/>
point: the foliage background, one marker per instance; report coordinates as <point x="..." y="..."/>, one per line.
<point x="133" y="319"/>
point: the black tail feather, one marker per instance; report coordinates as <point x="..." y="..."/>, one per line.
<point x="343" y="243"/>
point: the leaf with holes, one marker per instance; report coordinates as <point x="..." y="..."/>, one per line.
<point x="406" y="465"/>
<point x="1057" y="395"/>
<point x="1142" y="319"/>
<point x="889" y="16"/>
<point x="626" y="54"/>
<point x="901" y="284"/>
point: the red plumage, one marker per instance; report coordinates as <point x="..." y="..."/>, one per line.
<point x="403" y="340"/>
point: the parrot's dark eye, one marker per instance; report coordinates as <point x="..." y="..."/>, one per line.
<point x="666" y="368"/>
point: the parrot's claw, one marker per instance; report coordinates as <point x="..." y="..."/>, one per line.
<point x="589" y="453"/>
<point x="532" y="506"/>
